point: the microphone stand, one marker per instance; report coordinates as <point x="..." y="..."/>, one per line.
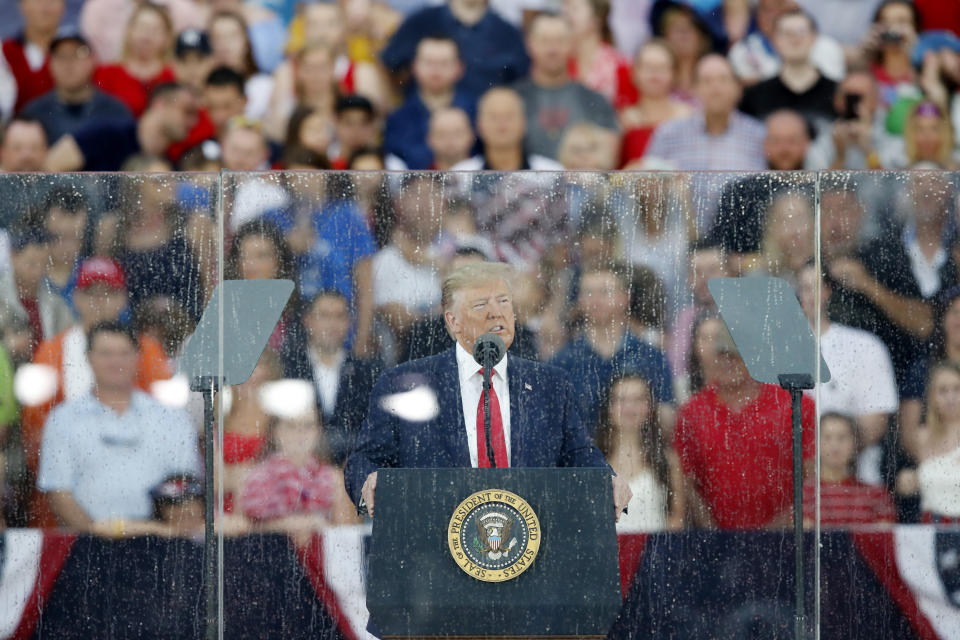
<point x="487" y="373"/>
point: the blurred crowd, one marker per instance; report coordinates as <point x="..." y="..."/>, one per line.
<point x="449" y="125"/>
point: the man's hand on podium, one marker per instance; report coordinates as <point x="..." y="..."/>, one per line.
<point x="621" y="494"/>
<point x="366" y="492"/>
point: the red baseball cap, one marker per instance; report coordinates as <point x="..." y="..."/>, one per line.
<point x="99" y="270"/>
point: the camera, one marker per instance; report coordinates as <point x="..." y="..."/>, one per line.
<point x="891" y="37"/>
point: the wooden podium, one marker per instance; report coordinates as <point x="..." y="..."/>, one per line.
<point x="493" y="553"/>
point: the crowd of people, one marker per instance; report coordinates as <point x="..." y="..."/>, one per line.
<point x="456" y="120"/>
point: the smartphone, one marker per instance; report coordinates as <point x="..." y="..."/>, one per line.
<point x="851" y="107"/>
<point x="891" y="37"/>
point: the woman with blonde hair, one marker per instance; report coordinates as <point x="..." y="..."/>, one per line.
<point x="938" y="447"/>
<point x="146" y="59"/>
<point x="928" y="138"/>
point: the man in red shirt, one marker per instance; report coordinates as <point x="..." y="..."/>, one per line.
<point x="28" y="54"/>
<point x="734" y="442"/>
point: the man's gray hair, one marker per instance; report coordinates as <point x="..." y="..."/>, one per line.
<point x="474" y="274"/>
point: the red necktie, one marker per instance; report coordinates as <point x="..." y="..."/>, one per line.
<point x="496" y="432"/>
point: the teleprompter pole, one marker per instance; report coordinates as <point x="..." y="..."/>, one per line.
<point x="208" y="385"/>
<point x="795" y="384"/>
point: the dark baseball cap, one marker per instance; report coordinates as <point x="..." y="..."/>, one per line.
<point x="68" y="34"/>
<point x="192" y="41"/>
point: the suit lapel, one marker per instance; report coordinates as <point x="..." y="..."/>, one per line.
<point x="452" y="426"/>
<point x="515" y="381"/>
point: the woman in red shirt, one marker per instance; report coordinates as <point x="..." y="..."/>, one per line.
<point x="844" y="500"/>
<point x="145" y="62"/>
<point x="654" y="74"/>
<point x="596" y="63"/>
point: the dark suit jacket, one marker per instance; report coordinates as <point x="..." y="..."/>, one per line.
<point x="353" y="393"/>
<point x="545" y="426"/>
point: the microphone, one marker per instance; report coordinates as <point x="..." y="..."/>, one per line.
<point x="487" y="351"/>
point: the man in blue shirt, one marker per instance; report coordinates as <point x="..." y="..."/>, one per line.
<point x="436" y="68"/>
<point x="106" y="145"/>
<point x="491" y="48"/>
<point x="74" y="101"/>
<point x="606" y="348"/>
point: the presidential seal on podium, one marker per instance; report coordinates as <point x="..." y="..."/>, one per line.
<point x="494" y="535"/>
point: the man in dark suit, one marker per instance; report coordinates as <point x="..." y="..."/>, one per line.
<point x="426" y="413"/>
<point x="342" y="381"/>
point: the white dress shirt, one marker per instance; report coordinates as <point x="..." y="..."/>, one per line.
<point x="327" y="379"/>
<point x="471" y="389"/>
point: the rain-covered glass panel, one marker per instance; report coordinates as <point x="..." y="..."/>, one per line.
<point x="618" y="354"/>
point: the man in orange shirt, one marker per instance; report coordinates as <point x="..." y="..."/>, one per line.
<point x="100" y="296"/>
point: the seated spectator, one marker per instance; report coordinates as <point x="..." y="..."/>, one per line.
<point x="588" y="147"/>
<point x="653" y="73"/>
<point x="888" y="45"/>
<point x="937" y="55"/>
<point x="862" y="385"/>
<point x="245" y="428"/>
<point x="628" y="433"/>
<point x="743" y="206"/>
<point x="844" y="500"/>
<point x="145" y="63"/>
<point x="928" y="138"/>
<point x="308" y="81"/>
<point x="436" y="68"/>
<point x="689" y="37"/>
<point x="501" y="127"/>
<point x="193" y="59"/>
<point x="491" y="48"/>
<point x="788" y="237"/>
<point x="799" y="85"/>
<point x="147" y="238"/>
<point x="553" y="102"/>
<point x="885" y="287"/>
<point x="106" y="145"/>
<point x="103" y="22"/>
<point x="341" y="381"/>
<point x="605" y="348"/>
<point x="944" y="346"/>
<point x="937" y="478"/>
<point x="706" y="261"/>
<point x="264" y="31"/>
<point x="26" y="57"/>
<point x="449" y="137"/>
<point x="231" y="46"/>
<point x="717" y="137"/>
<point x="355" y="126"/>
<point x="74" y="101"/>
<point x="733" y="439"/>
<point x="406" y="284"/>
<point x="754" y="58"/>
<point x="596" y="63"/>
<point x="64" y="215"/>
<point x="23" y="291"/>
<point x="223" y="97"/>
<point x="24" y="146"/>
<point x="296" y="489"/>
<point x="260" y="252"/>
<point x="105" y="450"/>
<point x="858" y="138"/>
<point x="312" y="129"/>
<point x="356" y="72"/>
<point x="100" y="296"/>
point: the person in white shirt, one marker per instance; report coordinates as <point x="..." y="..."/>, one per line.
<point x="862" y="383"/>
<point x="103" y="452"/>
